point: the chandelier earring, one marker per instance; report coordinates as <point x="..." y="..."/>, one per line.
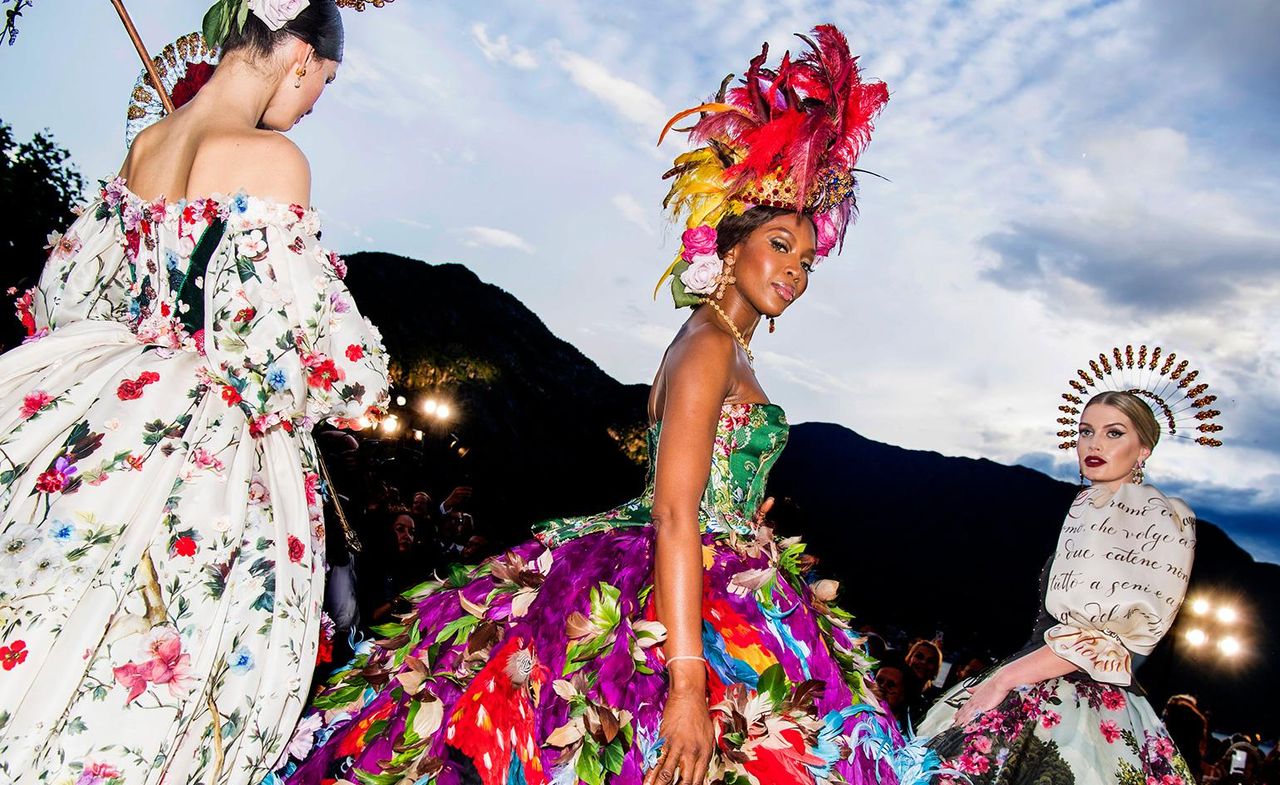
<point x="1138" y="476"/>
<point x="773" y="326"/>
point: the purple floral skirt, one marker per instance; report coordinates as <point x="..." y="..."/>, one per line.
<point x="545" y="665"/>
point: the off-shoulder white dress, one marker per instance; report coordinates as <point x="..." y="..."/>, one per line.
<point x="161" y="536"/>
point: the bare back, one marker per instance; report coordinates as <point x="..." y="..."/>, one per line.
<point x="194" y="153"/>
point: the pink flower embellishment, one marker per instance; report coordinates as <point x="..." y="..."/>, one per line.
<point x="168" y="665"/>
<point x="982" y="744"/>
<point x="698" y="241"/>
<point x="1113" y="700"/>
<point x="1050" y="719"/>
<point x="34" y="402"/>
<point x="97" y="773"/>
<point x="1164" y="748"/>
<point x="1110" y="731"/>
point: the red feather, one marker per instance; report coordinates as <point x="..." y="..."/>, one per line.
<point x="494" y="718"/>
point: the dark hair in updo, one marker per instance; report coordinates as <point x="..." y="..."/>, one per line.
<point x="319" y="24"/>
<point x="733" y="229"/>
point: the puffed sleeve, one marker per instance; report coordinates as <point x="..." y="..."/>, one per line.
<point x="1118" y="580"/>
<point x="83" y="278"/>
<point x="282" y="334"/>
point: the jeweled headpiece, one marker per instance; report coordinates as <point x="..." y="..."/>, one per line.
<point x="786" y="138"/>
<point x="1162" y="381"/>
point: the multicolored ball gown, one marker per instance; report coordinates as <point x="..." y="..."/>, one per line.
<point x="543" y="665"/>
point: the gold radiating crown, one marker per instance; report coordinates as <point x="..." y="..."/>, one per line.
<point x="1168" y="387"/>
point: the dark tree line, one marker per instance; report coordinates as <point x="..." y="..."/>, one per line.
<point x="39" y="187"/>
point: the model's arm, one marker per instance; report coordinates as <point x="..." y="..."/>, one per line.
<point x="697" y="380"/>
<point x="1031" y="668"/>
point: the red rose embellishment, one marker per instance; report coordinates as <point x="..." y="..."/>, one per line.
<point x="296" y="549"/>
<point x="187" y="87"/>
<point x="231" y="395"/>
<point x="245" y="315"/>
<point x="323" y="373"/>
<point x="13" y="655"/>
<point x="184" y="546"/>
<point x="355" y="352"/>
<point x="131" y="389"/>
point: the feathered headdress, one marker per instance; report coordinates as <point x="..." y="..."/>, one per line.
<point x="787" y="138"/>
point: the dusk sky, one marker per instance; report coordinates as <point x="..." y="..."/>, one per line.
<point x="1063" y="177"/>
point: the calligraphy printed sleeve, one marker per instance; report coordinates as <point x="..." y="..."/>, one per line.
<point x="1129" y="562"/>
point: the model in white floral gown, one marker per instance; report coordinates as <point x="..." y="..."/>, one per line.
<point x="161" y="536"/>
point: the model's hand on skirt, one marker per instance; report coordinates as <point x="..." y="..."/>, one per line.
<point x="689" y="738"/>
<point x="983" y="698"/>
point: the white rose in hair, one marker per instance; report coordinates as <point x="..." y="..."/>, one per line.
<point x="701" y="276"/>
<point x="275" y="14"/>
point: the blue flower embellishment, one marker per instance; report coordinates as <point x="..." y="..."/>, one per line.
<point x="277" y="379"/>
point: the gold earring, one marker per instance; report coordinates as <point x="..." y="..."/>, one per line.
<point x="725" y="279"/>
<point x="1138" y="476"/>
<point x="301" y="72"/>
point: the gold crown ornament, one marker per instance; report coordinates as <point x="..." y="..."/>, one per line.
<point x="1165" y="383"/>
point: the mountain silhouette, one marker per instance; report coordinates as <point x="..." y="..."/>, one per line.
<point x="919" y="540"/>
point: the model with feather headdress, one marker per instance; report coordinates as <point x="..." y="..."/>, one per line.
<point x="674" y="638"/>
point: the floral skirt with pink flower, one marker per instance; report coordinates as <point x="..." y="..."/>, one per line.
<point x="1065" y="731"/>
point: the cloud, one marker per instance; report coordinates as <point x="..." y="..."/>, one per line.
<point x="634" y="212"/>
<point x="488" y="237"/>
<point x="501" y="50"/>
<point x="628" y="99"/>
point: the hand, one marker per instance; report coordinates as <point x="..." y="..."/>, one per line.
<point x="762" y="512"/>
<point x="456" y="497"/>
<point x="982" y="698"/>
<point x="686" y="753"/>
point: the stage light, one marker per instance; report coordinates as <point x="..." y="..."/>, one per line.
<point x="391" y="424"/>
<point x="400" y="400"/>
<point x="1200" y="606"/>
<point x="1229" y="646"/>
<point x="1196" y="637"/>
<point x="443" y="411"/>
<point x="1227" y="614"/>
<point x="429" y="406"/>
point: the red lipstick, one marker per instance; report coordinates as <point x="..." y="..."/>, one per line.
<point x="1094" y="461"/>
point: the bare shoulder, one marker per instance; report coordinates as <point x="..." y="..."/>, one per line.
<point x="702" y="346"/>
<point x="265" y="164"/>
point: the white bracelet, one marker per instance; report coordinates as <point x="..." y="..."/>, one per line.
<point x="686" y="657"/>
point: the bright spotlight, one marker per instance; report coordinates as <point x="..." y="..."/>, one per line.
<point x="443" y="411"/>
<point x="1227" y="614"/>
<point x="1196" y="637"/>
<point x="429" y="406"/>
<point x="400" y="400"/>
<point x="1200" y="606"/>
<point x="1229" y="646"/>
<point x="391" y="424"/>
<point x="417" y="435"/>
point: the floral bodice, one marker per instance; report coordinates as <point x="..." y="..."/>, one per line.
<point x="239" y="280"/>
<point x="749" y="439"/>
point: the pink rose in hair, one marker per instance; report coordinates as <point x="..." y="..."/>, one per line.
<point x="698" y="241"/>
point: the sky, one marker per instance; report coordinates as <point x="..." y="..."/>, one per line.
<point x="1062" y="177"/>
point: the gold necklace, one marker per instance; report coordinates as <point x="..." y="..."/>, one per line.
<point x="733" y="328"/>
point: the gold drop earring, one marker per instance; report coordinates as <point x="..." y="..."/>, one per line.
<point x="773" y="326"/>
<point x="301" y="72"/>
